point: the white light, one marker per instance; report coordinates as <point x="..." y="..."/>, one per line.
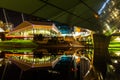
<point x="117" y="53"/>
<point x="109" y="9"/>
<point x="113" y="3"/>
<point x="108" y="21"/>
<point x="1" y="30"/>
<point x="104" y="4"/>
<point x="115" y="61"/>
<point x="117" y="39"/>
<point x="1" y="59"/>
<point x="108" y="27"/>
<point x="75" y="56"/>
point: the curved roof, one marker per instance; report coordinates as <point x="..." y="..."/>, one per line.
<point x="72" y="12"/>
<point x="1" y="30"/>
<point x="34" y="25"/>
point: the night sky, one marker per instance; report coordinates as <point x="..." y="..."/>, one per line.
<point x="16" y="17"/>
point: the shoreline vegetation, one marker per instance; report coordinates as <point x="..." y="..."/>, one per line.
<point x="15" y="43"/>
<point x="20" y="43"/>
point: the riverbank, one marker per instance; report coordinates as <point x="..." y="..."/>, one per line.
<point x="18" y="43"/>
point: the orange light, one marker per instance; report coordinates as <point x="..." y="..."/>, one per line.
<point x="73" y="69"/>
<point x="96" y="16"/>
<point x="78" y="60"/>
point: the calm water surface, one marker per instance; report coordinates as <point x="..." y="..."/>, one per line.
<point x="57" y="64"/>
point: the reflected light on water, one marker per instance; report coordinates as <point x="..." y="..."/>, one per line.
<point x="115" y="61"/>
<point x="39" y="60"/>
<point x="117" y="39"/>
<point x="117" y="53"/>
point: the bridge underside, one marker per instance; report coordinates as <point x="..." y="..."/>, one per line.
<point x="81" y="13"/>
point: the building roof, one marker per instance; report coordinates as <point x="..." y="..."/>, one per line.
<point x="1" y="30"/>
<point x="34" y="25"/>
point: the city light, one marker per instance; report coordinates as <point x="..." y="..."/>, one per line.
<point x="103" y="6"/>
<point x="117" y="39"/>
<point x="117" y="53"/>
<point x="115" y="61"/>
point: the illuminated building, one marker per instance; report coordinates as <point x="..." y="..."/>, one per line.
<point x="7" y="27"/>
<point x="109" y="17"/>
<point x="29" y="29"/>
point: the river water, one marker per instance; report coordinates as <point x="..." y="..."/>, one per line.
<point x="57" y="64"/>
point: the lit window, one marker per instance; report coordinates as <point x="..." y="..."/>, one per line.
<point x="113" y="3"/>
<point x="108" y="27"/>
<point x="109" y="9"/>
<point x="112" y="16"/>
<point x="108" y="21"/>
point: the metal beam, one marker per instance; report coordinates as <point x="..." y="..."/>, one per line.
<point x="89" y="7"/>
<point x="65" y="10"/>
<point x="38" y="9"/>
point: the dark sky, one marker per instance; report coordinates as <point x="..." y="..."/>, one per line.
<point x="16" y="17"/>
<point x="2" y="16"/>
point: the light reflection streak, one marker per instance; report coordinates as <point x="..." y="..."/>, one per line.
<point x="103" y="6"/>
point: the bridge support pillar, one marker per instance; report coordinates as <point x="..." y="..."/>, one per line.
<point x="101" y="41"/>
<point x="101" y="54"/>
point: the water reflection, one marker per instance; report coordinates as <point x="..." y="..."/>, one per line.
<point x="48" y="64"/>
<point x="114" y="67"/>
<point x="107" y="64"/>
